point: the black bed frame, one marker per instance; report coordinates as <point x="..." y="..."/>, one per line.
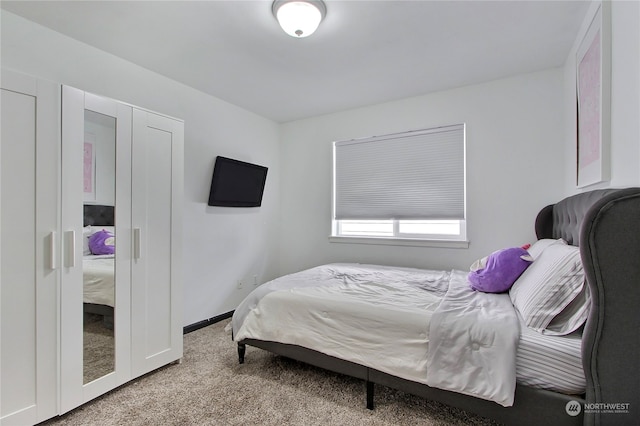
<point x="605" y="224"/>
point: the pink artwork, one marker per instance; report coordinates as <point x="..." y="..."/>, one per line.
<point x="593" y="87"/>
<point x="88" y="162"/>
<point x="589" y="105"/>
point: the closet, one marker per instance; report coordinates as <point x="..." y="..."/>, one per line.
<point x="29" y="240"/>
<point x="91" y="239"/>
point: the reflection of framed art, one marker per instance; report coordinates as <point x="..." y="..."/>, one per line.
<point x="593" y="81"/>
<point x="89" y="169"/>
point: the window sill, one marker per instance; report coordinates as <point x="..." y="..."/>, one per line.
<point x="412" y="242"/>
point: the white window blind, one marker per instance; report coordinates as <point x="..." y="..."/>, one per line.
<point x="413" y="175"/>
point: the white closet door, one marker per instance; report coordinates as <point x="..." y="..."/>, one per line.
<point x="29" y="249"/>
<point x="78" y="110"/>
<point x="156" y="280"/>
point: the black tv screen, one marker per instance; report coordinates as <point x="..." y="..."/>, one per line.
<point x="236" y="183"/>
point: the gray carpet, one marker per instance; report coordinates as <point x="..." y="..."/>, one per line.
<point x="98" y="343"/>
<point x="210" y="388"/>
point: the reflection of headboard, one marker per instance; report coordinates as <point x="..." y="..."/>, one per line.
<point x="99" y="215"/>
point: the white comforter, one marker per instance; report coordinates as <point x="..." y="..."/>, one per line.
<point x="474" y="338"/>
<point x="98" y="279"/>
<point x="395" y="320"/>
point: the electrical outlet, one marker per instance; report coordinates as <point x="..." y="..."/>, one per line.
<point x="255" y="281"/>
<point x="239" y="284"/>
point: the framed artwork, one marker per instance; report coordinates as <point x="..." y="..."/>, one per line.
<point x="89" y="169"/>
<point x="593" y="81"/>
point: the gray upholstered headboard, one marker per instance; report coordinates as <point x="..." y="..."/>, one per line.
<point x="564" y="219"/>
<point x="99" y="215"/>
<point x="605" y="224"/>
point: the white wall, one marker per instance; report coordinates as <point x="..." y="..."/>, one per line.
<point x="221" y="245"/>
<point x="625" y="99"/>
<point x="520" y="147"/>
<point x="101" y="130"/>
<point x="514" y="167"/>
<point x="532" y="160"/>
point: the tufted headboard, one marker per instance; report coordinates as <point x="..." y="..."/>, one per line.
<point x="564" y="219"/>
<point x="605" y="224"/>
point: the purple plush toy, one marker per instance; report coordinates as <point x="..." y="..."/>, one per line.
<point x="502" y="269"/>
<point x="102" y="242"/>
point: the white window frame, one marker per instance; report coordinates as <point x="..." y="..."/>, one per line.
<point x="402" y="239"/>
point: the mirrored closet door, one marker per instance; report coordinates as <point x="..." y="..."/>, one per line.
<point x="96" y="246"/>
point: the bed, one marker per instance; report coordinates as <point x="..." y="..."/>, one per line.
<point x="605" y="226"/>
<point x="98" y="269"/>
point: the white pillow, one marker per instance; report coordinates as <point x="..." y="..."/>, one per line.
<point x="571" y="317"/>
<point x="538" y="247"/>
<point x="549" y="285"/>
<point x="534" y="250"/>
<point x="86" y="233"/>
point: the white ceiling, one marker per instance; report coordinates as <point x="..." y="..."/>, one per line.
<point x="364" y="52"/>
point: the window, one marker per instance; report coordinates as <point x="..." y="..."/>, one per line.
<point x="402" y="186"/>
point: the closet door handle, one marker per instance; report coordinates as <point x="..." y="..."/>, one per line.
<point x="137" y="243"/>
<point x="52" y="250"/>
<point x="71" y="248"/>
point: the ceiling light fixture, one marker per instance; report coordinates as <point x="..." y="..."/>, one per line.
<point x="299" y="18"/>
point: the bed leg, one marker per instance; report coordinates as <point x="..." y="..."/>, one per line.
<point x="370" y="392"/>
<point x="241" y="350"/>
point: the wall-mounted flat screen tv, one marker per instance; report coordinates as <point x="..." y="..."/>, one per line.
<point x="236" y="183"/>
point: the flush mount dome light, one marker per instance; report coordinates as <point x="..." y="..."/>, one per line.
<point x="299" y="18"/>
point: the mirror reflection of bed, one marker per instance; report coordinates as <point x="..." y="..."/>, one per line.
<point x="98" y="267"/>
